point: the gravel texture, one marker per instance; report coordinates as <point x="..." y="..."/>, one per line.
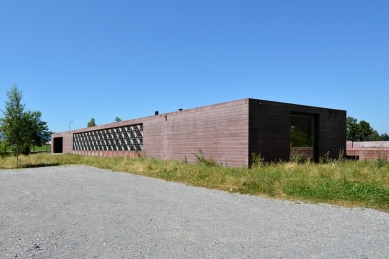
<point x="84" y="212"/>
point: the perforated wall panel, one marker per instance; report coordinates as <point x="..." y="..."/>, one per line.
<point x="126" y="138"/>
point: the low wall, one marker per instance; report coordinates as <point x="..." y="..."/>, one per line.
<point x="304" y="152"/>
<point x="368" y="150"/>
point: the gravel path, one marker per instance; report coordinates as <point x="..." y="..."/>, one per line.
<point x="84" y="212"/>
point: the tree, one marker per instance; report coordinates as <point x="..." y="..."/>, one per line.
<point x="21" y="129"/>
<point x="352" y="128"/>
<point x="13" y="122"/>
<point x="384" y="137"/>
<point x="364" y="130"/>
<point x="91" y="123"/>
<point x="38" y="129"/>
<point x="374" y="136"/>
<point x="117" y="119"/>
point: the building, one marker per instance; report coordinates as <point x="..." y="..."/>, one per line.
<point x="368" y="150"/>
<point x="228" y="132"/>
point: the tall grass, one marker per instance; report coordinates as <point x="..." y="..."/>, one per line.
<point x="344" y="182"/>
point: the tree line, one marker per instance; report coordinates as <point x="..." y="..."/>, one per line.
<point x="362" y="131"/>
<point x="92" y="122"/>
<point x="21" y="129"/>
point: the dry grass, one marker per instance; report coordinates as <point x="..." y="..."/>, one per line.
<point x="346" y="183"/>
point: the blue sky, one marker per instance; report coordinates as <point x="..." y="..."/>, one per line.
<point x="77" y="60"/>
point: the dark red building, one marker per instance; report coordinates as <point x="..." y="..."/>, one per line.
<point x="228" y="132"/>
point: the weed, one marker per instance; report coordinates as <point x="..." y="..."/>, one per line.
<point x="256" y="160"/>
<point x="295" y="155"/>
<point x="341" y="155"/>
<point x="326" y="158"/>
<point x="185" y="160"/>
<point x="206" y="161"/>
<point x="380" y="162"/>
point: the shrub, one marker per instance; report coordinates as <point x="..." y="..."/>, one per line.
<point x="3" y="149"/>
<point x="206" y="161"/>
<point x="256" y="160"/>
<point x="380" y="162"/>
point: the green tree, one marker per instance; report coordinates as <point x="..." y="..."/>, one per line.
<point x="352" y="128"/>
<point x="38" y="129"/>
<point x="21" y="129"/>
<point x="3" y="149"/>
<point x="361" y="131"/>
<point x="13" y="123"/>
<point x="117" y="119"/>
<point x="384" y="137"/>
<point x="91" y="123"/>
<point x="364" y="130"/>
<point x="374" y="136"/>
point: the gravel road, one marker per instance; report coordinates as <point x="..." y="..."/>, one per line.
<point x="84" y="212"/>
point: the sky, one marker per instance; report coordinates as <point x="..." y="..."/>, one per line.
<point x="77" y="60"/>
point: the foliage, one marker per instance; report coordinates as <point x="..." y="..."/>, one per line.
<point x="206" y="161"/>
<point x="38" y="131"/>
<point x="365" y="130"/>
<point x="380" y="161"/>
<point x="117" y="119"/>
<point x="3" y="149"/>
<point x="91" y="123"/>
<point x="384" y="137"/>
<point x="362" y="131"/>
<point x="300" y="138"/>
<point x="25" y="149"/>
<point x="352" y="128"/>
<point x="256" y="160"/>
<point x="13" y="123"/>
<point x="374" y="136"/>
<point x="22" y="129"/>
<point x="301" y="131"/>
<point x="44" y="148"/>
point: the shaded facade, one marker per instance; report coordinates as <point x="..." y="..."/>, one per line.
<point x="228" y="132"/>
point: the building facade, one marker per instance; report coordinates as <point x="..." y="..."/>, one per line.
<point x="228" y="132"/>
<point x="368" y="150"/>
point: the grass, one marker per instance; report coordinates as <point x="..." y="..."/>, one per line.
<point x="46" y="147"/>
<point x="346" y="182"/>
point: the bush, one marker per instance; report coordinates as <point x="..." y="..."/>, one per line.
<point x="380" y="162"/>
<point x="256" y="160"/>
<point x="25" y="150"/>
<point x="3" y="149"/>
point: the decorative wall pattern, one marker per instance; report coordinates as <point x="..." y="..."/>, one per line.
<point x="126" y="138"/>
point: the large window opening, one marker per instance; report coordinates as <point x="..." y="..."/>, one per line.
<point x="302" y="137"/>
<point x="58" y="145"/>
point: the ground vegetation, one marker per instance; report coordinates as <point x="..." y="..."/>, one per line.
<point x="335" y="181"/>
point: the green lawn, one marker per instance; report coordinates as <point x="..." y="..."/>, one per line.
<point x="42" y="148"/>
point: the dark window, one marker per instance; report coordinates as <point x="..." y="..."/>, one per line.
<point x="302" y="136"/>
<point x="58" y="145"/>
